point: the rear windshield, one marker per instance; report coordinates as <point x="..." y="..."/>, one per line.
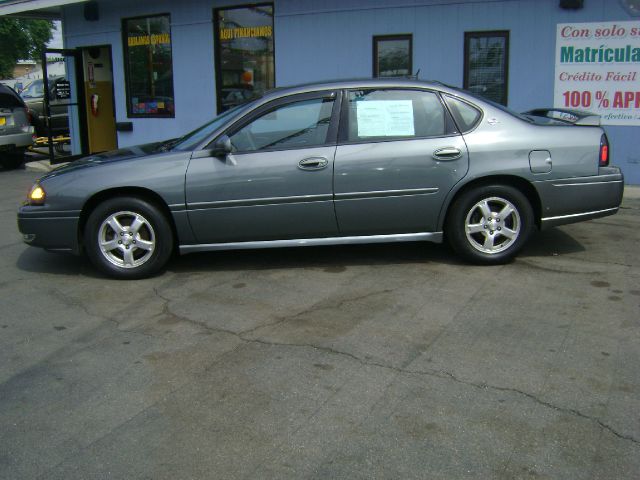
<point x="8" y="98"/>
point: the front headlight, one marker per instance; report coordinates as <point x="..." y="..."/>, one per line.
<point x="37" y="195"/>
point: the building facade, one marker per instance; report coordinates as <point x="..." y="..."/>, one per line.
<point x="167" y="67"/>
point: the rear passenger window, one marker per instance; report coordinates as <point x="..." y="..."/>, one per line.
<point x="394" y="114"/>
<point x="466" y="116"/>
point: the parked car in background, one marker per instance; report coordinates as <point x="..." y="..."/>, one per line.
<point x="33" y="95"/>
<point x="350" y="162"/>
<point x="16" y="133"/>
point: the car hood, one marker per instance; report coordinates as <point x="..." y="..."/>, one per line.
<point x="133" y="153"/>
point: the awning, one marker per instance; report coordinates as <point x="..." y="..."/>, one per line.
<point x="49" y="9"/>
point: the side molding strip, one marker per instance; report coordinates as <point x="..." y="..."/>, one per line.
<point x="435" y="237"/>
<point x="560" y="217"/>
<point x="385" y="193"/>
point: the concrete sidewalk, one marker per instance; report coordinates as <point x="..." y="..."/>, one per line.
<point x="43" y="166"/>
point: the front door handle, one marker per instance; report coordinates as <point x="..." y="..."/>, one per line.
<point x="447" y="153"/>
<point x="313" y="163"/>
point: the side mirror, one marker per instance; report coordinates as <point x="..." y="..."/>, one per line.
<point x="222" y="147"/>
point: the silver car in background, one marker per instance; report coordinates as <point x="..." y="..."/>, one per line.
<point x="334" y="163"/>
<point x="16" y="132"/>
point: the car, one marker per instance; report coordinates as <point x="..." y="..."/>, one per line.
<point x="16" y="133"/>
<point x="361" y="161"/>
<point x="33" y="95"/>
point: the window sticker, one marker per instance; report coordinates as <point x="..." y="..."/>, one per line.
<point x="385" y="118"/>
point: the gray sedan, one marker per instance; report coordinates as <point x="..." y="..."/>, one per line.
<point x="334" y="163"/>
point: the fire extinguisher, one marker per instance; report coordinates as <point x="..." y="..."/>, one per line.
<point x="95" y="98"/>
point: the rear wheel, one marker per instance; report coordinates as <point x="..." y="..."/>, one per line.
<point x="12" y="160"/>
<point x="489" y="224"/>
<point x="128" y="237"/>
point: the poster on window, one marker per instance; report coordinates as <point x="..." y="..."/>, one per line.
<point x="597" y="70"/>
<point x="385" y="118"/>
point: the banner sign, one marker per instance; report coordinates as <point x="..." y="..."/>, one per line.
<point x="598" y="70"/>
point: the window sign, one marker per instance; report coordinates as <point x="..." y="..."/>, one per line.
<point x="394" y="114"/>
<point x="149" y="67"/>
<point x="62" y="90"/>
<point x="244" y="53"/>
<point x="392" y="56"/>
<point x="385" y="118"/>
<point x="486" y="63"/>
<point x="598" y="70"/>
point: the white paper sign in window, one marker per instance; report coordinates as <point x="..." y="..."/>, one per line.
<point x="385" y="118"/>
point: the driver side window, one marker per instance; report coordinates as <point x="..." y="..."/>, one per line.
<point x="299" y="124"/>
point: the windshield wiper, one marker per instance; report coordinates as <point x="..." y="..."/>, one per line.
<point x="168" y="145"/>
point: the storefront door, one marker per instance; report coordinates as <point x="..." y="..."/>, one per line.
<point x="99" y="102"/>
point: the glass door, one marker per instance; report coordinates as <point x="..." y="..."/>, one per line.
<point x="57" y="111"/>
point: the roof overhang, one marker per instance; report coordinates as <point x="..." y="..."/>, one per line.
<point x="48" y="9"/>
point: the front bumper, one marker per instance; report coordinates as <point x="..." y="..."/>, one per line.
<point x="49" y="229"/>
<point x="571" y="200"/>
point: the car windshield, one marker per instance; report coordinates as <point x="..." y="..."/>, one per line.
<point x="33" y="90"/>
<point x="192" y="139"/>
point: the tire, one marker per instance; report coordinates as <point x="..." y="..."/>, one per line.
<point x="490" y="224"/>
<point x="13" y="160"/>
<point x="128" y="238"/>
<point x="39" y="126"/>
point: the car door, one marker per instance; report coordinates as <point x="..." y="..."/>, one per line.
<point x="277" y="183"/>
<point x="398" y="156"/>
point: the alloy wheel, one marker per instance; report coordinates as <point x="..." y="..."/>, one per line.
<point x="492" y="225"/>
<point x="126" y="239"/>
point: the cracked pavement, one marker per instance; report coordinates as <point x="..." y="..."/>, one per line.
<point x="383" y="361"/>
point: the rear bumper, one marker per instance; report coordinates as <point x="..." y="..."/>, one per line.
<point x="50" y="230"/>
<point x="571" y="200"/>
<point x="15" y="140"/>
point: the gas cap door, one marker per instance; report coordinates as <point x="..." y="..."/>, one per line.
<point x="540" y="161"/>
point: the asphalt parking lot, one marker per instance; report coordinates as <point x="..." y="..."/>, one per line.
<point x="386" y="361"/>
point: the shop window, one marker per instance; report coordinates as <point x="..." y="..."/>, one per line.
<point x="148" y="66"/>
<point x="244" y="53"/>
<point x="486" y="64"/>
<point x="378" y="115"/>
<point x="392" y="56"/>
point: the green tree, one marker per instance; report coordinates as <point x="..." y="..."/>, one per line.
<point x="21" y="39"/>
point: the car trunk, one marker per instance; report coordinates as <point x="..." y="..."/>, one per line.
<point x="13" y="114"/>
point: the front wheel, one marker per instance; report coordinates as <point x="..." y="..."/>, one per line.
<point x="489" y="224"/>
<point x="128" y="238"/>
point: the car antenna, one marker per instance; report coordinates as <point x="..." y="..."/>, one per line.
<point x="413" y="77"/>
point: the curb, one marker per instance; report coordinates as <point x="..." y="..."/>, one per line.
<point x="41" y="166"/>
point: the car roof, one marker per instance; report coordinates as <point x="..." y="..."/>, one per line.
<point x="389" y="82"/>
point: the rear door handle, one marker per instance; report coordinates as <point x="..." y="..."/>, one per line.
<point x="447" y="153"/>
<point x="313" y="163"/>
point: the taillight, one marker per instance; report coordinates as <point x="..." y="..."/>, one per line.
<point x="604" y="151"/>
